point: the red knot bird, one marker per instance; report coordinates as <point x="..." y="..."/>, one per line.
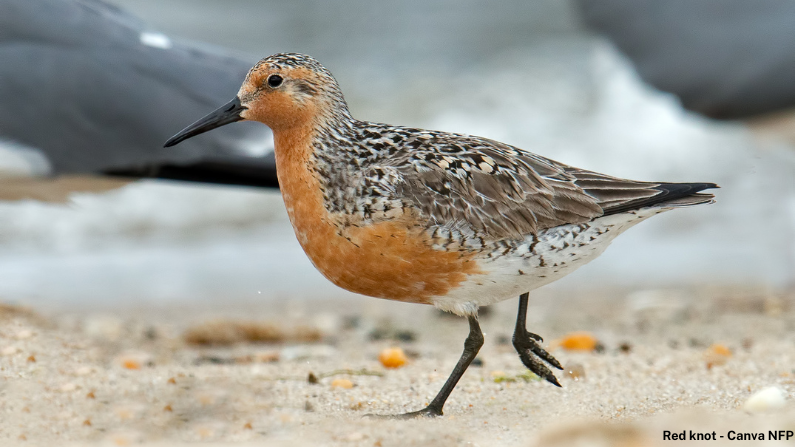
<point x="431" y="217"/>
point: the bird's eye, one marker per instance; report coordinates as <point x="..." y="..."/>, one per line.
<point x="274" y="80"/>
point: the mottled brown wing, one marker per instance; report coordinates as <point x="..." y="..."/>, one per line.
<point x="500" y="191"/>
<point x="490" y="190"/>
<point x="496" y="190"/>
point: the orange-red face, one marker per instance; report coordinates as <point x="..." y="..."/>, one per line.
<point x="282" y="98"/>
<point x="285" y="97"/>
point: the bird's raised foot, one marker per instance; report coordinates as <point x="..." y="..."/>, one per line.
<point x="427" y="412"/>
<point x="531" y="354"/>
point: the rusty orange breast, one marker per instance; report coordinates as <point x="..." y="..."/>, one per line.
<point x="392" y="259"/>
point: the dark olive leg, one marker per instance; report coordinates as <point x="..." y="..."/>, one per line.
<point x="526" y="344"/>
<point x="471" y="347"/>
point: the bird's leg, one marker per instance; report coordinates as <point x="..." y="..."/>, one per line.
<point x="526" y="344"/>
<point x="471" y="347"/>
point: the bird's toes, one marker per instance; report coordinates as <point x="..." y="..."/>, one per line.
<point x="530" y="343"/>
<point x="427" y="412"/>
<point x="546" y="356"/>
<point x="537" y="367"/>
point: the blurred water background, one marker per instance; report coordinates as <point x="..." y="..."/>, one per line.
<point x="522" y="72"/>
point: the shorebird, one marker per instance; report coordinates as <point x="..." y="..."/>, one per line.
<point x="89" y="92"/>
<point x="455" y="221"/>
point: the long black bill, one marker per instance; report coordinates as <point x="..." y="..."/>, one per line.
<point x="228" y="113"/>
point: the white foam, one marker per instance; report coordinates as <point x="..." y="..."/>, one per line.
<point x="19" y="160"/>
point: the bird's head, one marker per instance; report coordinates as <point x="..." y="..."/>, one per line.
<point x="284" y="91"/>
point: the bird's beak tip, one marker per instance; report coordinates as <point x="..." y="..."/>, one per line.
<point x="226" y="114"/>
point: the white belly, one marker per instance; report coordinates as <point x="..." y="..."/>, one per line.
<point x="532" y="263"/>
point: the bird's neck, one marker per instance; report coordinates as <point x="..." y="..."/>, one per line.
<point x="295" y="169"/>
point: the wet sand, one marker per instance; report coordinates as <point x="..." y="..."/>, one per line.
<point x="127" y="376"/>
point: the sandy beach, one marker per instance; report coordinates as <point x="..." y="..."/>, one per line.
<point x="232" y="373"/>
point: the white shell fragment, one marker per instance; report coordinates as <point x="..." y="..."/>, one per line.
<point x="766" y="399"/>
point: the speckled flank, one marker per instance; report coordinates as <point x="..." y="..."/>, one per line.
<point x="432" y="217"/>
<point x="516" y="267"/>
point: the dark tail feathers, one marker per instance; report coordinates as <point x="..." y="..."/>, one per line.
<point x="671" y="194"/>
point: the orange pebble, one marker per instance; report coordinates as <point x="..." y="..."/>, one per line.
<point x="719" y="349"/>
<point x="392" y="357"/>
<point x="578" y="341"/>
<point x="130" y="364"/>
<point x="342" y="383"/>
<point x="717" y="355"/>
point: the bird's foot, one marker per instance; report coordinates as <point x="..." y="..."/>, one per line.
<point x="532" y="354"/>
<point x="427" y="412"/>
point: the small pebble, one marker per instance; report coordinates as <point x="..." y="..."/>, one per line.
<point x="130" y="364"/>
<point x="351" y="322"/>
<point x="9" y="350"/>
<point x="717" y="355"/>
<point x="405" y="336"/>
<point x="766" y="399"/>
<point x="150" y="333"/>
<point x="392" y="357"/>
<point x="377" y="334"/>
<point x="134" y="360"/>
<point x="503" y="339"/>
<point x="342" y="383"/>
<point x="575" y="371"/>
<point x="578" y="341"/>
